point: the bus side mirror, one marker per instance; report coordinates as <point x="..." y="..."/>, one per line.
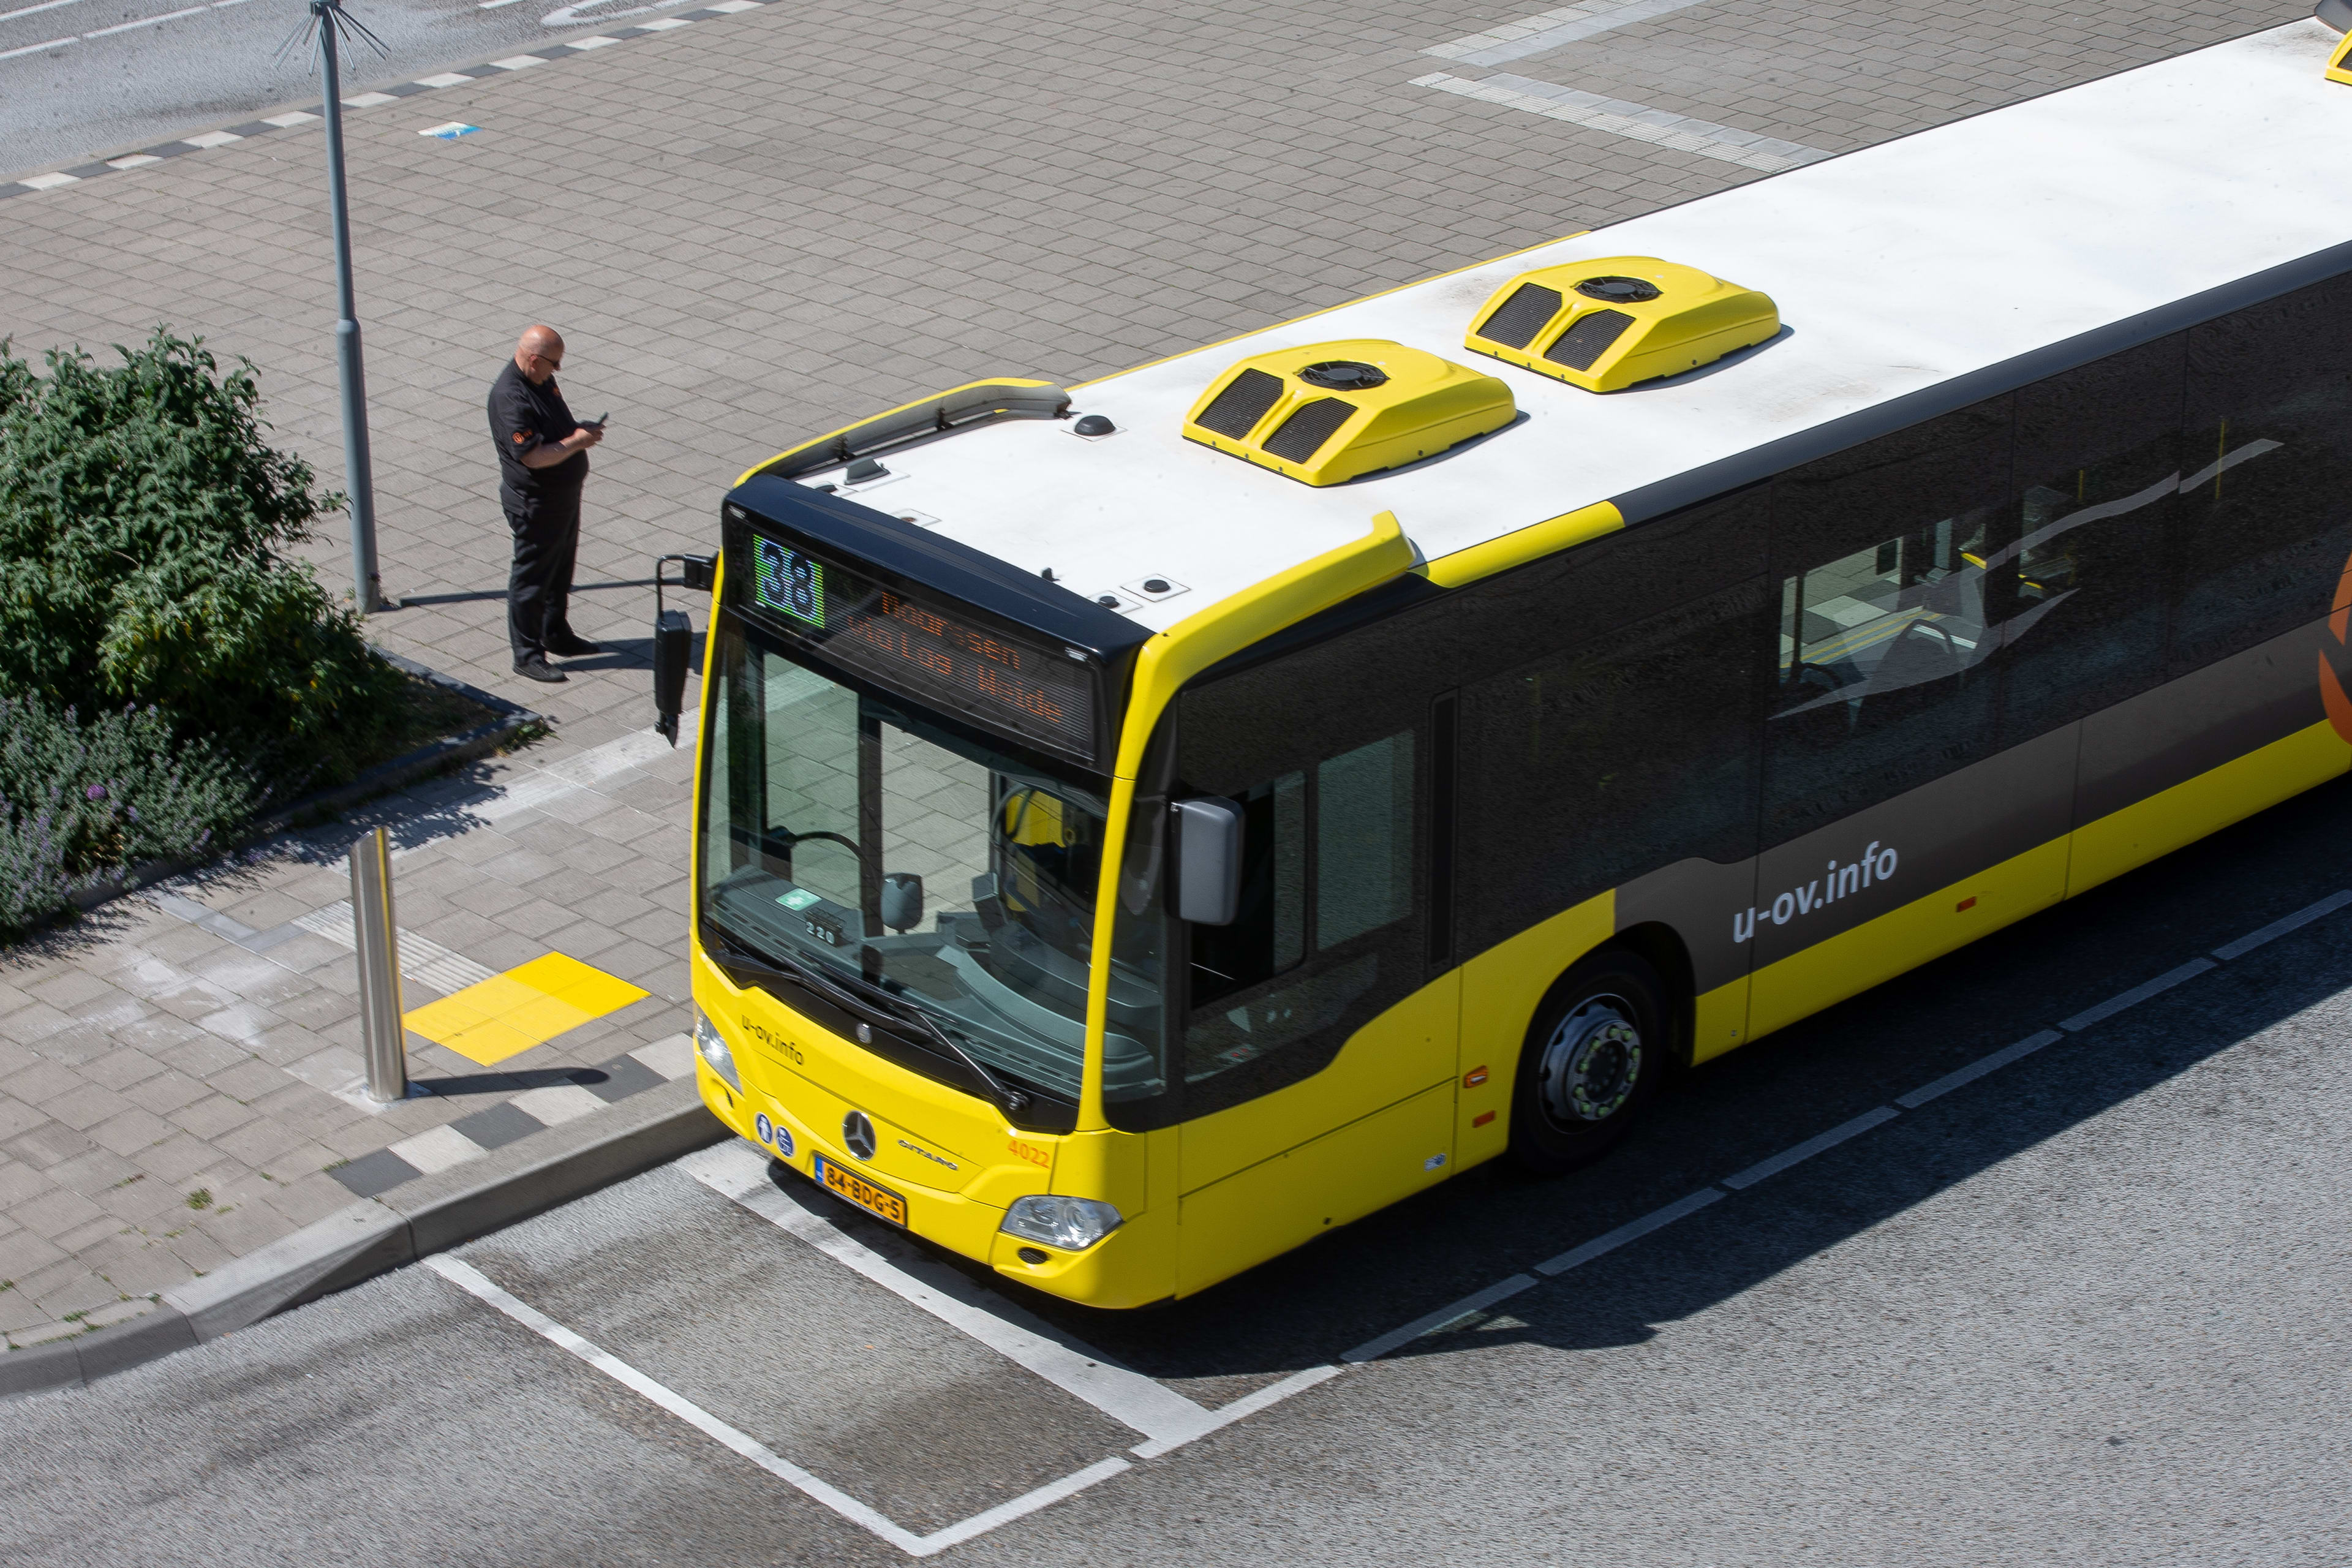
<point x="673" y="645"/>
<point x="1208" y="860"/>
<point x="674" y="637"/>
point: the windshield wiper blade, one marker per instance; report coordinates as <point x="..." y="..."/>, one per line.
<point x="868" y="997"/>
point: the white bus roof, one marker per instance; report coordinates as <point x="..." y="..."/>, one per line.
<point x="1898" y="269"/>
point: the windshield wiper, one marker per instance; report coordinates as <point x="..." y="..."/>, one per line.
<point x="864" y="998"/>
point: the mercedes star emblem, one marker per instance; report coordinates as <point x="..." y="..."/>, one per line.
<point x="857" y="1134"/>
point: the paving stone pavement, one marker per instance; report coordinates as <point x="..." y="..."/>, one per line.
<point x="751" y="228"/>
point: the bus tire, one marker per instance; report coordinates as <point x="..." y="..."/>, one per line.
<point x="1593" y="1059"/>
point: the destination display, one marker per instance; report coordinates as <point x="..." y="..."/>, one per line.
<point x="1031" y="690"/>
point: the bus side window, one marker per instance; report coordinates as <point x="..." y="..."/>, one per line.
<point x="1884" y="555"/>
<point x="1363" y="840"/>
<point x="2079" y="603"/>
<point x="2266" y="505"/>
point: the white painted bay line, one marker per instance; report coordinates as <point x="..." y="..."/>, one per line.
<point x="1550" y="29"/>
<point x="147" y="21"/>
<point x="2135" y="995"/>
<point x="1633" y="1230"/>
<point x="1977" y="1069"/>
<point x="35" y="49"/>
<point x="1635" y="122"/>
<point x="1502" y="1290"/>
<point x="1817" y="1143"/>
<point x="2279" y="928"/>
<point x="1046" y="1496"/>
<point x="474" y="1283"/>
<point x="735" y="1171"/>
<point x="1240" y="1409"/>
<point x="32" y="10"/>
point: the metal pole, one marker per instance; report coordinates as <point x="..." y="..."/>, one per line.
<point x="379" y="943"/>
<point x="358" y="468"/>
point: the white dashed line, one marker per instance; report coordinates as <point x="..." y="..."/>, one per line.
<point x="1550" y="29"/>
<point x="1977" y="1069"/>
<point x="2113" y="1005"/>
<point x="35" y="10"/>
<point x="1372" y="1350"/>
<point x="1634" y="1230"/>
<point x="1635" y="122"/>
<point x="1447" y="1316"/>
<point x="146" y="21"/>
<point x="1817" y="1143"/>
<point x="35" y="49"/>
<point x="2279" y="928"/>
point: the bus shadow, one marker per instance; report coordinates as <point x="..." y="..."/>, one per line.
<point x="1314" y="1305"/>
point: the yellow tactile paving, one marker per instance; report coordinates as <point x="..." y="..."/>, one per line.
<point x="509" y="1014"/>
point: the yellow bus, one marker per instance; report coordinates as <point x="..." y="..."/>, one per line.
<point x="1145" y="825"/>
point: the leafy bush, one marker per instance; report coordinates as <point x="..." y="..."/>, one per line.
<point x="143" y="517"/>
<point x="119" y="790"/>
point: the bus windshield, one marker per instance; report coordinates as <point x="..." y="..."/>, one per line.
<point x="855" y="838"/>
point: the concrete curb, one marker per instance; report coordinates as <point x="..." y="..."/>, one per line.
<point x="376" y="1235"/>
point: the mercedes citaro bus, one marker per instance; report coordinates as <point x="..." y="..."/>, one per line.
<point x="1144" y="826"/>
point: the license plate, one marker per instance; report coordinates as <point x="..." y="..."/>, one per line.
<point x="880" y="1202"/>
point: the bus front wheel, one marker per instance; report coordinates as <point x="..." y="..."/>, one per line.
<point x="1592" y="1060"/>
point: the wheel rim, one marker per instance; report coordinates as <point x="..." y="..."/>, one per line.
<point x="1592" y="1063"/>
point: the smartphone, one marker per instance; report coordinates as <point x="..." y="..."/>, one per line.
<point x="598" y="422"/>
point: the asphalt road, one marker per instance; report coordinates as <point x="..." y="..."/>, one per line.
<point x="2087" y="1309"/>
<point x="84" y="78"/>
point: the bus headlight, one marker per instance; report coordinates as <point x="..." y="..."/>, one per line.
<point x="1071" y="1224"/>
<point x="715" y="1052"/>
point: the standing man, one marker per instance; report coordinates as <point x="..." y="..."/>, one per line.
<point x="543" y="463"/>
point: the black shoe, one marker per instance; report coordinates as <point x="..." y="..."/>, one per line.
<point x="538" y="669"/>
<point x="570" y="647"/>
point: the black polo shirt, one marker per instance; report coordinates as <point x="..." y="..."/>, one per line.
<point x="522" y="418"/>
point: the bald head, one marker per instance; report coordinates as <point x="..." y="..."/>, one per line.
<point x="540" y="353"/>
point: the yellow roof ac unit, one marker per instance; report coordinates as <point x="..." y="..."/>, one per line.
<point x="1327" y="413"/>
<point x="1606" y="324"/>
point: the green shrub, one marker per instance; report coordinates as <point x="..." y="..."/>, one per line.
<point x="142" y="516"/>
<point x="143" y="521"/>
<point x="122" y="789"/>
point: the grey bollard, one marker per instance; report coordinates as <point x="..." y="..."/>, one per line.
<point x="379" y="943"/>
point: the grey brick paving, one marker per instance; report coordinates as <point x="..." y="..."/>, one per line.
<point x="751" y="230"/>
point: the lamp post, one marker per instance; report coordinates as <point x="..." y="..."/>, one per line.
<point x="329" y="19"/>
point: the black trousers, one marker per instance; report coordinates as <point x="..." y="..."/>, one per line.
<point x="539" y="588"/>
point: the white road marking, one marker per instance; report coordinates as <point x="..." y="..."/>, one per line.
<point x="1816" y="1144"/>
<point x="471" y="1281"/>
<point x="32" y="10"/>
<point x="517" y="62"/>
<point x="447" y="79"/>
<point x="35" y="49"/>
<point x="2279" y="928"/>
<point x="1977" y="1069"/>
<point x="1248" y="1404"/>
<point x="2134" y="996"/>
<point x="1550" y="29"/>
<point x="1372" y="1350"/>
<point x="1046" y="1496"/>
<point x="47" y="182"/>
<point x="211" y="138"/>
<point x="1635" y="122"/>
<point x="368" y="100"/>
<point x="493" y="4"/>
<point x="1631" y="1230"/>
<point x="735" y="1171"/>
<point x="290" y="119"/>
<point x="135" y="161"/>
<point x="147" y="21"/>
